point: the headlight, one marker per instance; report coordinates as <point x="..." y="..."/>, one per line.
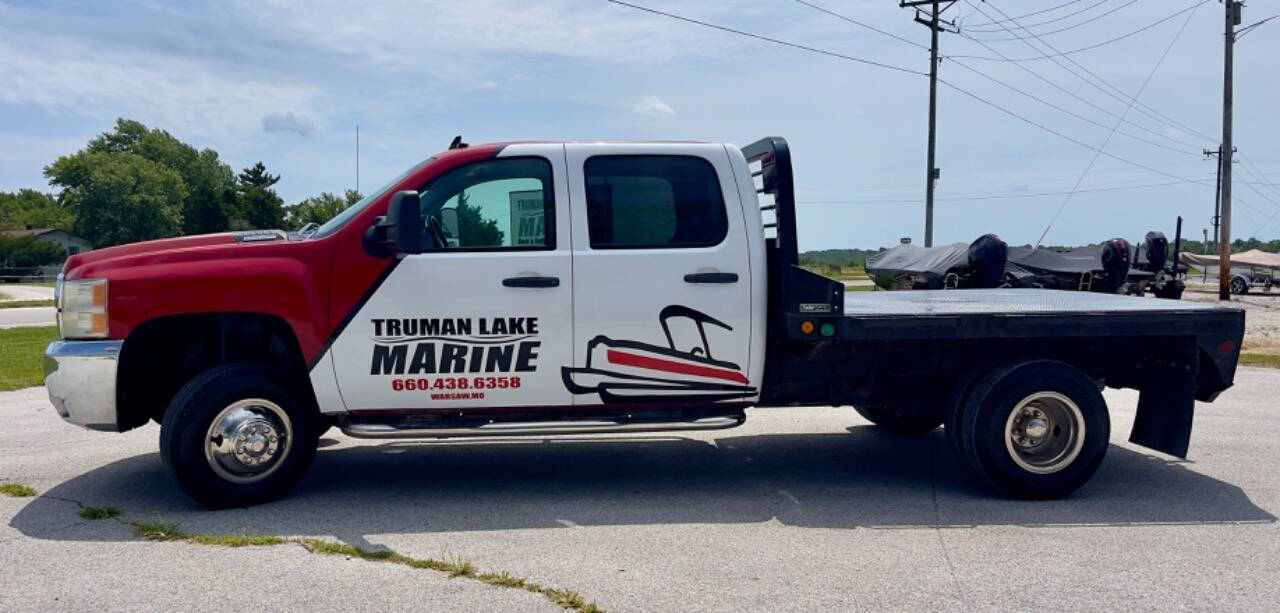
<point x="82" y="308"/>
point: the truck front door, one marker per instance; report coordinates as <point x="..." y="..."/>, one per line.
<point x="483" y="319"/>
<point x="662" y="298"/>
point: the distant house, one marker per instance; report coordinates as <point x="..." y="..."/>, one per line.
<point x="71" y="243"/>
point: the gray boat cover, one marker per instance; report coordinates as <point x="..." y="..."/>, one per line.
<point x="913" y="264"/>
<point x="1078" y="260"/>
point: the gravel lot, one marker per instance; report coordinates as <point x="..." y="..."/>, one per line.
<point x="801" y="509"/>
<point x="1261" y="320"/>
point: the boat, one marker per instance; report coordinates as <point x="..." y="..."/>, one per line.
<point x="626" y="371"/>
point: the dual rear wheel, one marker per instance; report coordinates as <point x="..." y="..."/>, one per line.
<point x="1031" y="429"/>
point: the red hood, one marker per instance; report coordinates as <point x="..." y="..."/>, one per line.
<point x="91" y="263"/>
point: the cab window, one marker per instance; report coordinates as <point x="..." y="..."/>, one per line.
<point x="653" y="201"/>
<point x="491" y="205"/>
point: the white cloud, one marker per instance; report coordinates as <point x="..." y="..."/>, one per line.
<point x="488" y="85"/>
<point x="287" y="122"/>
<point x="651" y="105"/>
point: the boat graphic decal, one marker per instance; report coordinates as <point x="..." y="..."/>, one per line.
<point x="639" y="372"/>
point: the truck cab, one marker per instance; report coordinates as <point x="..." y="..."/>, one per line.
<point x="562" y="277"/>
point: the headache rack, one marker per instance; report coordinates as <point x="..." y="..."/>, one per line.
<point x="796" y="295"/>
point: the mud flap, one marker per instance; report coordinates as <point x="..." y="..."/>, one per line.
<point x="1166" y="404"/>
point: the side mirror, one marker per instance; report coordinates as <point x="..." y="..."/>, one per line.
<point x="404" y="218"/>
<point x="400" y="231"/>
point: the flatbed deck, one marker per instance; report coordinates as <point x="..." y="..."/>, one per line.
<point x="1014" y="313"/>
<point x="1010" y="302"/>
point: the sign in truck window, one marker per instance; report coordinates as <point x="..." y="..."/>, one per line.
<point x="528" y="219"/>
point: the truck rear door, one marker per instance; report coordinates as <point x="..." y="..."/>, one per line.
<point x="662" y="285"/>
<point x="486" y="319"/>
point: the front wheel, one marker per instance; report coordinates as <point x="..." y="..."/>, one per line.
<point x="237" y="435"/>
<point x="1239" y="286"/>
<point x="1036" y="429"/>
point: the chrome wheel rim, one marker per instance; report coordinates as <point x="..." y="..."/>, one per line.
<point x="248" y="440"/>
<point x="1044" y="433"/>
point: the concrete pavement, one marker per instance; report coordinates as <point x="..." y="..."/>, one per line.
<point x="28" y="316"/>
<point x="800" y="509"/>
<point x="18" y="291"/>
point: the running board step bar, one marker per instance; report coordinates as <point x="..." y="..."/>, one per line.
<point x="539" y="428"/>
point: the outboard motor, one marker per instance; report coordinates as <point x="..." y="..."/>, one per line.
<point x="1115" y="263"/>
<point x="987" y="258"/>
<point x="1156" y="247"/>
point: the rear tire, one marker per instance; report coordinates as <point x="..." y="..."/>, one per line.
<point x="912" y="420"/>
<point x="238" y="435"/>
<point x="954" y="409"/>
<point x="1037" y="429"/>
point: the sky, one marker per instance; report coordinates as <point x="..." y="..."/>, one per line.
<point x="287" y="82"/>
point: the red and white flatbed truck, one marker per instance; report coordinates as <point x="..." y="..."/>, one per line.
<point x="568" y="288"/>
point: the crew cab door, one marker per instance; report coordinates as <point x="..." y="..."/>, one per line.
<point x="662" y="296"/>
<point x="484" y="318"/>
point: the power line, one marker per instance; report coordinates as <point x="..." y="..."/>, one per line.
<point x="940" y="80"/>
<point x="1082" y="49"/>
<point x="1261" y="176"/>
<point x="1249" y="28"/>
<point x="865" y="25"/>
<point x="768" y="39"/>
<point x="1068" y="92"/>
<point x="1123" y="97"/>
<point x="998" y="195"/>
<point x="1041" y="11"/>
<point x="1065" y="28"/>
<point x="1145" y="82"/>
<point x="1193" y="149"/>
<point x="1046" y="103"/>
<point x="1068" y="138"/>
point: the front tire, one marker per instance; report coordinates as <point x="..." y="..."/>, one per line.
<point x="237" y="435"/>
<point x="1037" y="429"/>
<point x="1239" y="286"/>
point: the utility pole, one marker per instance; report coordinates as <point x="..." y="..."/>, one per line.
<point x="1217" y="190"/>
<point x="357" y="158"/>
<point x="1233" y="8"/>
<point x="935" y="25"/>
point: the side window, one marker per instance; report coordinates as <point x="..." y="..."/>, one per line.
<point x="495" y="204"/>
<point x="653" y="201"/>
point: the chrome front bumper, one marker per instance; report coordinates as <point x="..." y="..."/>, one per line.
<point x="81" y="379"/>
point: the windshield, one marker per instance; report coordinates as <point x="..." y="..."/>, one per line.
<point x="342" y="218"/>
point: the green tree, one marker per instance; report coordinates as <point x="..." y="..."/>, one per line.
<point x="260" y="206"/>
<point x="319" y="209"/>
<point x="210" y="184"/>
<point x="473" y="229"/>
<point x="28" y="251"/>
<point x="28" y="208"/>
<point x="119" y="197"/>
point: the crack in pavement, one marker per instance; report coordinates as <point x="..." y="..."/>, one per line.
<point x="166" y="532"/>
<point x="937" y="521"/>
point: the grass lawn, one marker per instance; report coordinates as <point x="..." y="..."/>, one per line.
<point x="19" y="304"/>
<point x="1260" y="359"/>
<point x="845" y="273"/>
<point x="22" y="356"/>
